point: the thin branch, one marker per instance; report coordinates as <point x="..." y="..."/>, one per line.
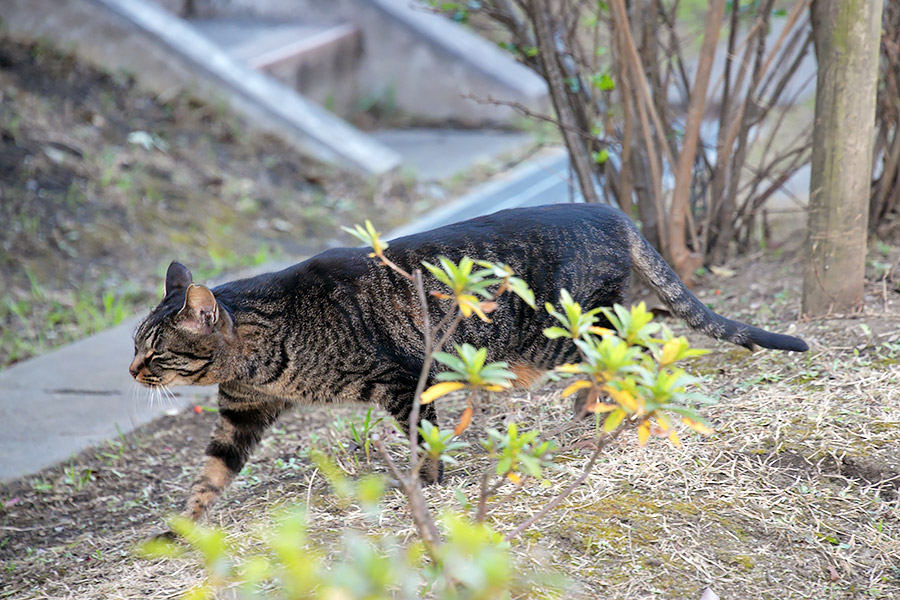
<point x="547" y="58"/>
<point x="418" y="508"/>
<point x="423" y="375"/>
<point x="684" y="262"/>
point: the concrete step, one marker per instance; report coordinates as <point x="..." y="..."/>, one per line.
<point x="321" y="61"/>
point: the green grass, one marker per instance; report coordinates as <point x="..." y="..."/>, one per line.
<point x="41" y="321"/>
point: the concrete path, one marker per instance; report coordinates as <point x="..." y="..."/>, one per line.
<point x="55" y="405"/>
<point x="433" y="154"/>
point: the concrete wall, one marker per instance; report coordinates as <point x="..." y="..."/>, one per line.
<point x="166" y="54"/>
<point x="425" y="63"/>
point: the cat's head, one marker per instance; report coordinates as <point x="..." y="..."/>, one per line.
<point x="186" y="337"/>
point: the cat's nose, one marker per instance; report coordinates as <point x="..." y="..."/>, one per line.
<point x="135" y="367"/>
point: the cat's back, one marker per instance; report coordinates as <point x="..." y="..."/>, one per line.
<point x="542" y="223"/>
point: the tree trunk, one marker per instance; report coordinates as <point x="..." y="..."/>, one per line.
<point x="846" y="39"/>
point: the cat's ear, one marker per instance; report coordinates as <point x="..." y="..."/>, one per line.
<point x="201" y="311"/>
<point x="178" y="277"/>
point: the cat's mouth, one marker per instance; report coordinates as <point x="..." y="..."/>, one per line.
<point x="155" y="381"/>
<point x="165" y="380"/>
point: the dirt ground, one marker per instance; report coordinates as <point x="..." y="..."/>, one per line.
<point x="797" y="495"/>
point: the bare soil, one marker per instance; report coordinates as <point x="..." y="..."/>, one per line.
<point x="795" y="496"/>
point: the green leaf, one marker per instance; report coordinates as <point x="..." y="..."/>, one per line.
<point x="556" y="332"/>
<point x="367" y="236"/>
<point x="603" y="82"/>
<point x="437" y="273"/>
<point x="600" y="157"/>
<point x="451" y="361"/>
<point x="521" y="289"/>
<point x="613" y="420"/>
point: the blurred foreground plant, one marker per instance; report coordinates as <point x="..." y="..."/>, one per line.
<point x="287" y="563"/>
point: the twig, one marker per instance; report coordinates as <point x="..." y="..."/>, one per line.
<point x="527" y="112"/>
<point x="418" y="508"/>
<point x="486" y="493"/>
<point x="423" y="375"/>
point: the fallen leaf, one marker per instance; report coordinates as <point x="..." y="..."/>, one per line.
<point x="723" y="272"/>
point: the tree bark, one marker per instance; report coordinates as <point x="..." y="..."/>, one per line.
<point x="846" y="35"/>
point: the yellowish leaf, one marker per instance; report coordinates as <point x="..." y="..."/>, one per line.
<point x="493" y="387"/>
<point x="574" y="387"/>
<point x="464" y="421"/>
<point x="625" y="399"/>
<point x="698" y="427"/>
<point x="673" y="437"/>
<point x="469" y="304"/>
<point x="567" y="368"/>
<point x="722" y="272"/>
<point x="670" y="352"/>
<point x="599" y="330"/>
<point x="514" y="477"/>
<point x="440" y="389"/>
<point x="643" y="433"/>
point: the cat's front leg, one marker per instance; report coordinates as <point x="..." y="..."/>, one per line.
<point x="244" y="416"/>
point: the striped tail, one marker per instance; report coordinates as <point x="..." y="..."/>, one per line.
<point x="671" y="290"/>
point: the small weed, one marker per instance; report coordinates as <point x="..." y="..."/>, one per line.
<point x="115" y="452"/>
<point x="362" y="437"/>
<point x="39" y="485"/>
<point x="290" y="465"/>
<point x="78" y="478"/>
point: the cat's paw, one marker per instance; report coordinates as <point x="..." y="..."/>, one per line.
<point x="432" y="472"/>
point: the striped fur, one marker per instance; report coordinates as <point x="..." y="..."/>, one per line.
<point x="340" y="327"/>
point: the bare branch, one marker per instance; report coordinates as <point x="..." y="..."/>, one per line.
<point x="686" y="263"/>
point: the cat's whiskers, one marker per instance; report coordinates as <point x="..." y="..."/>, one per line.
<point x="169" y="397"/>
<point x="132" y="406"/>
<point x="154" y="396"/>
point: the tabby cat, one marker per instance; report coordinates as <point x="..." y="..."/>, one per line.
<point x="341" y="327"/>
